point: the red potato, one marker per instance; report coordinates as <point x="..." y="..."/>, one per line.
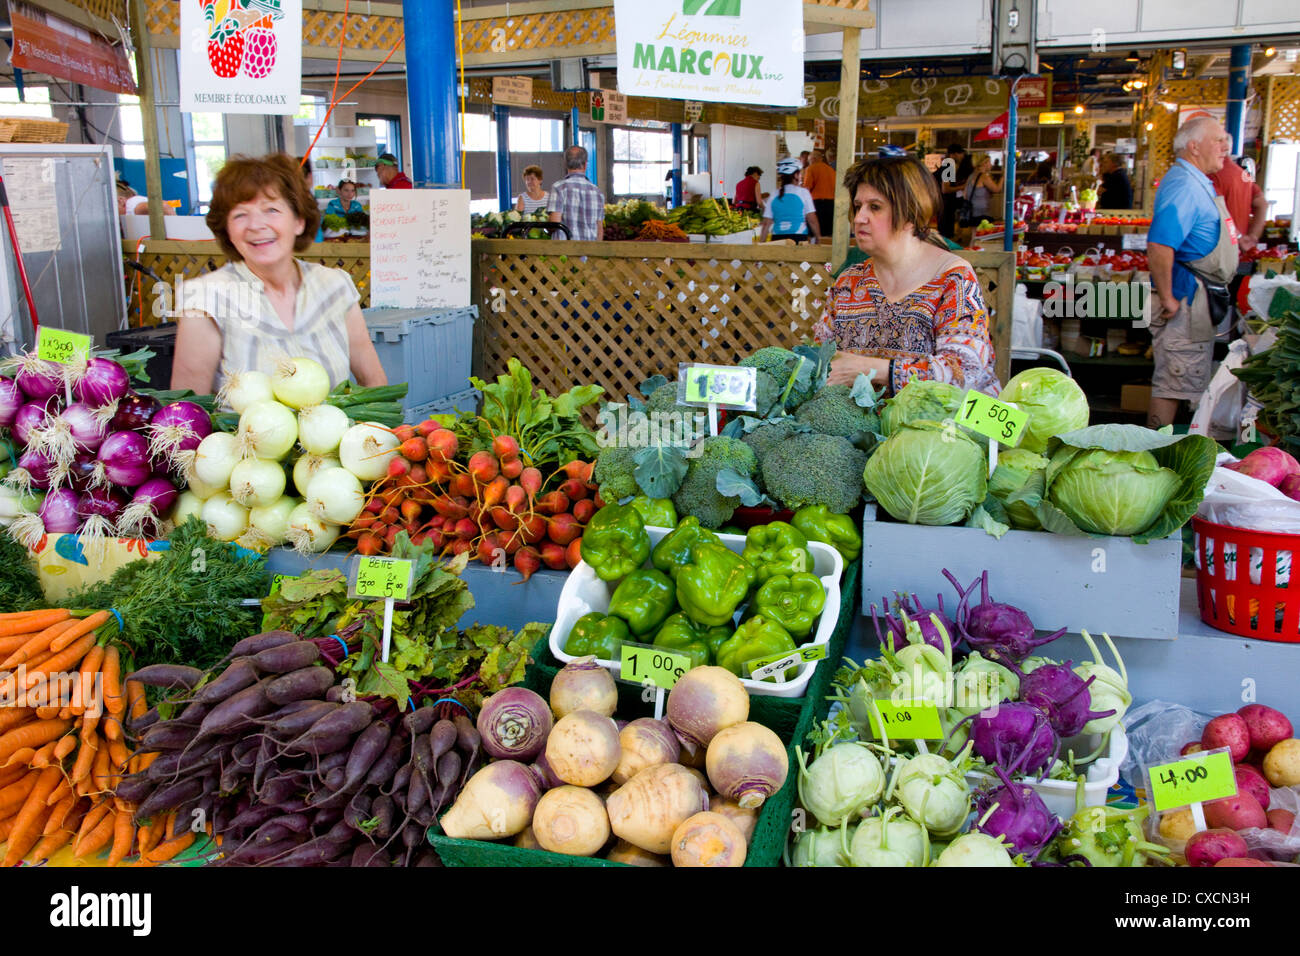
<point x="1227" y="730"/>
<point x="1236" y="813"/>
<point x="1210" y="846"/>
<point x="1193" y="748"/>
<point x="1265" y="725"/>
<point x="1241" y="861"/>
<point x="1250" y="780"/>
<point x="1280" y="820"/>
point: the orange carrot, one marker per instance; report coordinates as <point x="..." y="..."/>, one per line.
<point x="31" y="818"/>
<point x="166" y="851"/>
<point x="112" y="726"/>
<point x="123" y="836"/>
<point x="10" y="775"/>
<point x="114" y="699"/>
<point x="67" y="743"/>
<point x="59" y="811"/>
<point x="61" y="793"/>
<point x="99" y="771"/>
<point x="136" y="705"/>
<point x="48" y="712"/>
<point x="21" y="757"/>
<point x="30" y="622"/>
<point x="118" y="757"/>
<point x="44" y="755"/>
<point x="68" y="657"/>
<point x="94" y="815"/>
<point x="39" y="641"/>
<point x="85" y="758"/>
<point x="15" y="795"/>
<point x="87" y="685"/>
<point x="84" y="626"/>
<point x="32" y="735"/>
<point x="13" y="716"/>
<point x="98" y="838"/>
<point x="51" y="845"/>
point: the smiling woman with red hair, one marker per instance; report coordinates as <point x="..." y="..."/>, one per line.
<point x="265" y="303"/>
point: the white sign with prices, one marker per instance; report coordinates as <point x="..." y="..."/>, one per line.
<point x="419" y="248"/>
<point x="718" y="51"/>
<point x="241" y="56"/>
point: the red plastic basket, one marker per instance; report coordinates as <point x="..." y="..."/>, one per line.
<point x="1266" y="611"/>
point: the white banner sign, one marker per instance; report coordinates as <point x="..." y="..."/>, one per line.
<point x="241" y="56"/>
<point x="720" y="51"/>
<point x="419" y="248"/>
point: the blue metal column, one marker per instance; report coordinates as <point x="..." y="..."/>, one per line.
<point x="431" y="91"/>
<point x="573" y="123"/>
<point x="677" y="164"/>
<point x="502" y="116"/>
<point x="1009" y="175"/>
<point x="1238" y="88"/>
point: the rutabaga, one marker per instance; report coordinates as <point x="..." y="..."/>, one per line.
<point x="366" y="449"/>
<point x="335" y="494"/>
<point x="320" y="428"/>
<point x="257" y="482"/>
<point x="840" y="784"/>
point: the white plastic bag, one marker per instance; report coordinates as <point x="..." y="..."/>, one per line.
<point x="1219" y="409"/>
<point x="1241" y="501"/>
<point x="1027" y="321"/>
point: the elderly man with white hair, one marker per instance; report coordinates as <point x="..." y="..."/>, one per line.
<point x="1192" y="250"/>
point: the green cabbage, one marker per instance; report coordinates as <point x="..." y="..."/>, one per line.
<point x="1112" y="492"/>
<point x="928" y="473"/>
<point x="920" y="400"/>
<point x="1015" y="467"/>
<point x="1055" y="403"/>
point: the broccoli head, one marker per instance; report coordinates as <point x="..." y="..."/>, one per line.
<point x="768" y="434"/>
<point x="698" y="494"/>
<point x="811" y="469"/>
<point x="832" y="411"/>
<point x="615" y="473"/>
<point x="780" y="364"/>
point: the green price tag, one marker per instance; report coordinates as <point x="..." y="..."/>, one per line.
<point x="383" y="578"/>
<point x="992" y="418"/>
<point x="643" y="663"/>
<point x="914" y="720"/>
<point x="60" y="345"/>
<point x="1198" y="779"/>
<point x="729" y="386"/>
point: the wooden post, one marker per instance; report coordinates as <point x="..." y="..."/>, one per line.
<point x="148" y="117"/>
<point x="847" y="137"/>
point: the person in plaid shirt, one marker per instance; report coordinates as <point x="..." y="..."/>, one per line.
<point x="576" y="201"/>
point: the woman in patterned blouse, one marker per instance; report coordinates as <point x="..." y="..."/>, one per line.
<point x="913" y="309"/>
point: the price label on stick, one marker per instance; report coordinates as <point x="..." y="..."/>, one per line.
<point x="60" y="345"/>
<point x="761" y="668"/>
<point x="724" y="385"/>
<point x="644" y="662"/>
<point x="994" y="419"/>
<point x="1200" y="778"/>
<point x="383" y="578"/>
<point x="912" y="720"/>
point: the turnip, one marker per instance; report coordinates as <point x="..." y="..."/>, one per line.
<point x="514" y="724"/>
<point x="1282" y="763"/>
<point x="934" y="792"/>
<point x="583" y="748"/>
<point x="630" y="855"/>
<point x="704" y="701"/>
<point x="582" y="684"/>
<point x="1270" y="464"/>
<point x="975" y="849"/>
<point x="1252" y="781"/>
<point x="571" y="820"/>
<point x="745" y="820"/>
<point x="1208" y="847"/>
<point x="886" y="841"/>
<point x="647" y="809"/>
<point x="820" y="846"/>
<point x="708" y="839"/>
<point x="747" y="763"/>
<point x="841" y="783"/>
<point x="496" y="802"/>
<point x="1265" y="725"/>
<point x="527" y="840"/>
<point x="645" y="742"/>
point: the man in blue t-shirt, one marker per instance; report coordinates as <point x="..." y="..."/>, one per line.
<point x="1188" y="227"/>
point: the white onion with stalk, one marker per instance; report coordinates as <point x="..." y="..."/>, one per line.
<point x="266" y="430"/>
<point x="202" y="490"/>
<point x="320" y="428"/>
<point x="188" y="505"/>
<point x="255" y="482"/>
<point x="214" y="460"/>
<point x="309" y="535"/>
<point x="268" y="525"/>
<point x="226" y="518"/>
<point x="308" y="466"/>
<point x="299" y="382"/>
<point x="244" y="388"/>
<point x="336" y="495"/>
<point x="14" y="504"/>
<point x="366" y="449"/>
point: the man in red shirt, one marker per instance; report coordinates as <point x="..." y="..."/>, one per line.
<point x="1245" y="202"/>
<point x="390" y="177"/>
<point x="819" y="179"/>
<point x="747" y="189"/>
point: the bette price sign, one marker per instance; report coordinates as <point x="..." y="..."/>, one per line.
<point x="719" y="51"/>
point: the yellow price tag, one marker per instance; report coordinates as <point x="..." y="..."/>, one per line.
<point x="994" y="419"/>
<point x="912" y="720"/>
<point x="731" y="387"/>
<point x="383" y="578"/>
<point x="644" y="663"/>
<point x="1200" y="778"/>
<point x="60" y="345"/>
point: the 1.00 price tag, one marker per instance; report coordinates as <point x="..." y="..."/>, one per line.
<point x="914" y="720"/>
<point x="644" y="663"/>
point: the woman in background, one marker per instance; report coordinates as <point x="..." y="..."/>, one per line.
<point x="533" y="197"/>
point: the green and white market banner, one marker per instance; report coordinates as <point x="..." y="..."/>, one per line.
<point x="718" y="51"/>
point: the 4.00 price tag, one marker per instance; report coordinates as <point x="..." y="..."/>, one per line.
<point x="913" y="720"/>
<point x="1200" y="778"/>
<point x="60" y="345"/>
<point x="383" y="578"/>
<point x="642" y="663"/>
<point x="991" y="418"/>
<point x="724" y="385"/>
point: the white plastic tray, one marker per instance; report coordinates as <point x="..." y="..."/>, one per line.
<point x="584" y="593"/>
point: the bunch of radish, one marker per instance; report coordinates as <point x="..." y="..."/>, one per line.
<point x="487" y="504"/>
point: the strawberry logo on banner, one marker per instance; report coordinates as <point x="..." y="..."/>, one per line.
<point x="229" y="42"/>
<point x="997" y="129"/>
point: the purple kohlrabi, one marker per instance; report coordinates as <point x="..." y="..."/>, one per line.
<point x="1016" y="737"/>
<point x="993" y="628"/>
<point x="895" y="634"/>
<point x="1062" y="695"/>
<point x="1017" y="813"/>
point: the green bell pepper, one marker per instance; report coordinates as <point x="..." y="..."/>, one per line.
<point x="793" y="601"/>
<point x="715" y="637"/>
<point x="732" y="529"/>
<point x="777" y="548"/>
<point x="758" y="637"/>
<point x="615" y="542"/>
<point x="713" y="583"/>
<point x="655" y="511"/>
<point x="839" y="531"/>
<point x="674" y="548"/>
<point x="643" y="599"/>
<point x="597" y="634"/>
<point x="681" y="634"/>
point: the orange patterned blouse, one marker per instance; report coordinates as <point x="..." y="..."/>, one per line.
<point x="939" y="331"/>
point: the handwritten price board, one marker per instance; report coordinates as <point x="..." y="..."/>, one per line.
<point x="383" y="578"/>
<point x="643" y="663"/>
<point x="994" y="419"/>
<point x="1200" y="778"/>
<point x="728" y="386"/>
<point x="60" y="345"/>
<point x="914" y="720"/>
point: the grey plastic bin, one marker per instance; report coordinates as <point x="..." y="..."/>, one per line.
<point x="428" y="349"/>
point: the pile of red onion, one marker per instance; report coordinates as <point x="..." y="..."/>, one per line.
<point x="103" y="455"/>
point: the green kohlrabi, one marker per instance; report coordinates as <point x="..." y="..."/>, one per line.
<point x="1109" y="690"/>
<point x="975" y="849"/>
<point x="841" y="783"/>
<point x="981" y="683"/>
<point x="934" y="792"/>
<point x="819" y="846"/>
<point x="886" y="841"/>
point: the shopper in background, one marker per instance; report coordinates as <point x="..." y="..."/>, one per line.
<point x="1192" y="240"/>
<point x="1116" y="191"/>
<point x="345" y="202"/>
<point x="790" y="214"/>
<point x="805" y="158"/>
<point x="576" y="201"/>
<point x="980" y="188"/>
<point x="819" y="180"/>
<point x="913" y="309"/>
<point x="1245" y="201"/>
<point x="534" y="197"/>
<point x="747" y="189"/>
<point x="1043" y="175"/>
<point x="951" y="178"/>
<point x="131" y="203"/>
<point x="265" y="303"/>
<point x="390" y="175"/>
